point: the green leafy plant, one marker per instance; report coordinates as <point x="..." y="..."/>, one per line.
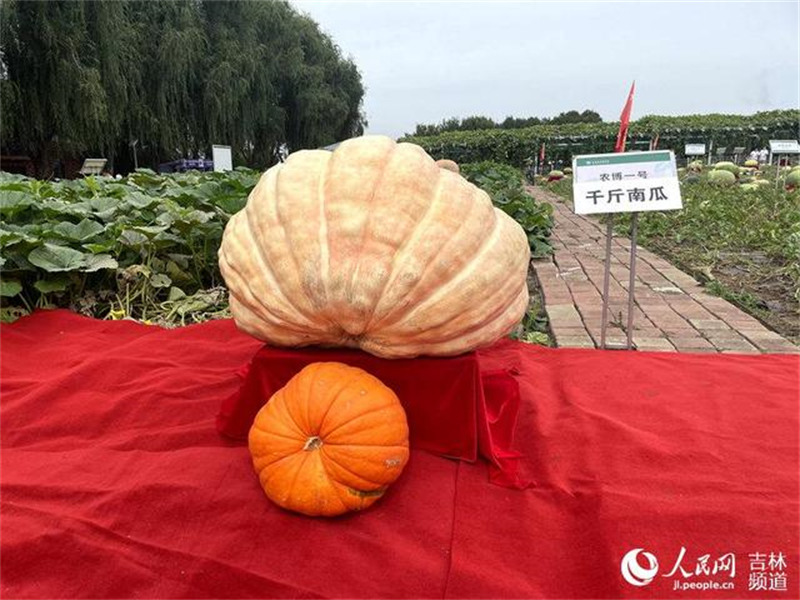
<point x="136" y="247"/>
<point x="505" y="186"/>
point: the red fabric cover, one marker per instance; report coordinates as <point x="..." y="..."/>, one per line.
<point x="115" y="482"/>
<point x="453" y="409"/>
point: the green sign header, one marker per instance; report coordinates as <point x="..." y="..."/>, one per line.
<point x="622" y="158"/>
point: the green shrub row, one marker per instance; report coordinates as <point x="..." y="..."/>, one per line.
<point x="517" y="146"/>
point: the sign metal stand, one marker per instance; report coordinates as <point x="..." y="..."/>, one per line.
<point x="606" y="277"/>
<point x="630" y="182"/>
<point x="631" y="282"/>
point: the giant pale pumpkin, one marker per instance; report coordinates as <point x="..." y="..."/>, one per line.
<point x="374" y="246"/>
<point x="330" y="441"/>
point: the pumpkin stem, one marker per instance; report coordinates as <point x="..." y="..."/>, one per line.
<point x="313" y="443"/>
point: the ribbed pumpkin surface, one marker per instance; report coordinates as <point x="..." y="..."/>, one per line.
<point x="374" y="246"/>
<point x="330" y="441"/>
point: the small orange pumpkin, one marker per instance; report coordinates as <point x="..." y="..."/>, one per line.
<point x="330" y="441"/>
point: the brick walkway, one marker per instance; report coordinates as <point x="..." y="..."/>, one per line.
<point x="673" y="312"/>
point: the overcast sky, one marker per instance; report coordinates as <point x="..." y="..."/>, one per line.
<point x="422" y="62"/>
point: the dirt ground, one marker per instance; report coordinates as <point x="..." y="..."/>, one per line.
<point x="750" y="280"/>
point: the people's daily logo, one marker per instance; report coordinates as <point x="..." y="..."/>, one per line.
<point x="634" y="572"/>
<point x="694" y="571"/>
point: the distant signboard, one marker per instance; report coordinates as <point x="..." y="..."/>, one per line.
<point x="93" y="166"/>
<point x="223" y="160"/>
<point x="721" y="151"/>
<point x="784" y="146"/>
<point x="738" y="150"/>
<point x="625" y="182"/>
<point x="694" y="149"/>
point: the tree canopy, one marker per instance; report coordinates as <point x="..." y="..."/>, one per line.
<point x="479" y="122"/>
<point x="79" y="77"/>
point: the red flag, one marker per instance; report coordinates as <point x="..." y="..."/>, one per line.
<point x="541" y="153"/>
<point x="624" y="119"/>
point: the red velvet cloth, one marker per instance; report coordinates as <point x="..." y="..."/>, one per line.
<point x="454" y="408"/>
<point x="115" y="482"/>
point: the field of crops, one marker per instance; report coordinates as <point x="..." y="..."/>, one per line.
<point x="145" y="247"/>
<point x="742" y="240"/>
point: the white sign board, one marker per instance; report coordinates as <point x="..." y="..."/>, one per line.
<point x="223" y="160"/>
<point x="625" y="182"/>
<point x="93" y="166"/>
<point x="784" y="146"/>
<point x="694" y="149"/>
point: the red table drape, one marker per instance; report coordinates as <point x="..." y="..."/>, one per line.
<point x="115" y="482"/>
<point x="454" y="408"/>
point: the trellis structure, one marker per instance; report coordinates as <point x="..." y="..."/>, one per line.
<point x="516" y="146"/>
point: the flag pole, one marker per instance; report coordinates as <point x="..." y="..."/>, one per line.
<point x="632" y="264"/>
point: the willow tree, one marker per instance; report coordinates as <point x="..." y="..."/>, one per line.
<point x="79" y="77"/>
<point x="321" y="92"/>
<point x="274" y="78"/>
<point x="58" y="89"/>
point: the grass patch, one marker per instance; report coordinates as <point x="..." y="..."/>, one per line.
<point x="534" y="328"/>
